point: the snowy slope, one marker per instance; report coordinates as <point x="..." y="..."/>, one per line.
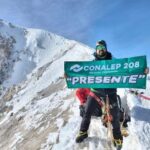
<point x="39" y="112"/>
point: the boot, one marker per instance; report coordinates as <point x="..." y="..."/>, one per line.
<point x="81" y="136"/>
<point x="124" y="132"/>
<point x="118" y="143"/>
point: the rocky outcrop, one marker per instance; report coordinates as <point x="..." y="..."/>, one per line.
<point x="6" y="45"/>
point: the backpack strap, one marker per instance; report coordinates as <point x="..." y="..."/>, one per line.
<point x="119" y="101"/>
<point x="98" y="99"/>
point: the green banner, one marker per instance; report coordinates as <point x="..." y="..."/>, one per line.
<point x="115" y="73"/>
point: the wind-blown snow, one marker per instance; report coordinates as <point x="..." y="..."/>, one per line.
<point x="41" y="112"/>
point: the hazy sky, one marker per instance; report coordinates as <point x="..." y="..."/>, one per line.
<point x="124" y="24"/>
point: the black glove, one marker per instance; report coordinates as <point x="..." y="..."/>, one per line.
<point x="82" y="111"/>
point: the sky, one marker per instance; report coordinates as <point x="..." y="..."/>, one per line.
<point x="123" y="24"/>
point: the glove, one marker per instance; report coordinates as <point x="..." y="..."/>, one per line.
<point x="82" y="111"/>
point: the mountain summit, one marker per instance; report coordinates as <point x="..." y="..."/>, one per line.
<point x="33" y="97"/>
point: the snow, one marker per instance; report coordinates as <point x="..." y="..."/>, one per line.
<point x="44" y="110"/>
<point x="17" y="139"/>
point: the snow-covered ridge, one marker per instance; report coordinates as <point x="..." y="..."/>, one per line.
<point x="28" y="49"/>
<point x="33" y="94"/>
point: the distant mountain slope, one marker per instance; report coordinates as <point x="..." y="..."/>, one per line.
<point x="33" y="95"/>
<point x="23" y="50"/>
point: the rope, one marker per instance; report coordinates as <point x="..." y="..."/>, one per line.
<point x="139" y="94"/>
<point x="107" y="110"/>
<point x="144" y="97"/>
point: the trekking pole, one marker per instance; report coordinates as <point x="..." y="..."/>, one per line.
<point x="123" y="129"/>
<point x="109" y="120"/>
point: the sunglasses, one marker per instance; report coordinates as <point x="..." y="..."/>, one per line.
<point x="100" y="47"/>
